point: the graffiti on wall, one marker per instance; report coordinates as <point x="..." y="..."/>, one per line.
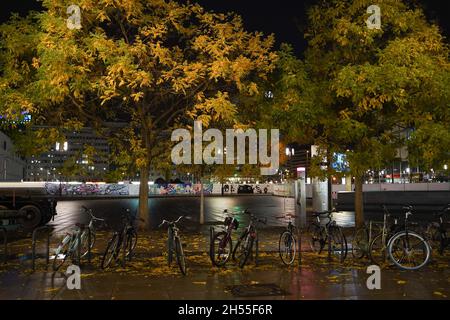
<point x="64" y="189"/>
<point x="83" y="189"/>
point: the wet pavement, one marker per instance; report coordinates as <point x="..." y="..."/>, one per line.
<point x="147" y="276"/>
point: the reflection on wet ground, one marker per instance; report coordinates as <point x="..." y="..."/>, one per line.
<point x="149" y="277"/>
<point x="70" y="212"/>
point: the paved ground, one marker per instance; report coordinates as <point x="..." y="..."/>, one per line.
<point x="149" y="277"/>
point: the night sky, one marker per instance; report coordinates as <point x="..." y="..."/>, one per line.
<point x="285" y="18"/>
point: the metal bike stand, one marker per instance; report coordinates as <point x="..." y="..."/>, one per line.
<point x="33" y="253"/>
<point x="256" y="250"/>
<point x="124" y="247"/>
<point x="89" y="245"/>
<point x="5" y="244"/>
<point x="329" y="249"/>
<point x="211" y="242"/>
<point x="79" y="248"/>
<point x="299" y="241"/>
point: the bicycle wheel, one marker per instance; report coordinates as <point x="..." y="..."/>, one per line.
<point x="84" y="243"/>
<point x="287" y="248"/>
<point x="243" y="250"/>
<point x="360" y="243"/>
<point x="132" y="239"/>
<point x="434" y="237"/>
<point x="180" y="255"/>
<point x="112" y="251"/>
<point x="222" y="247"/>
<point x="378" y="250"/>
<point x="409" y="251"/>
<point x="62" y="252"/>
<point x="316" y="238"/>
<point x="338" y="243"/>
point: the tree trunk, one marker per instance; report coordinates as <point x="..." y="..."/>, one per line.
<point x="359" y="204"/>
<point x="143" y="199"/>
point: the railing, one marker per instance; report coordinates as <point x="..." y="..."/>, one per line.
<point x="36" y="231"/>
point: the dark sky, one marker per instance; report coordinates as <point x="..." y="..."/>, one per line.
<point x="282" y="17"/>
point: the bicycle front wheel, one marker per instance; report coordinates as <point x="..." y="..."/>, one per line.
<point x="316" y="238"/>
<point x="243" y="250"/>
<point x="287" y="248"/>
<point x="111" y="252"/>
<point x="132" y="239"/>
<point x="61" y="253"/>
<point x="222" y="247"/>
<point x="378" y="250"/>
<point x="360" y="243"/>
<point x="84" y="243"/>
<point x="338" y="243"/>
<point x="180" y="256"/>
<point x="409" y="251"/>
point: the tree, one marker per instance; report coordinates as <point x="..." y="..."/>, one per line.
<point x="358" y="86"/>
<point x="148" y="63"/>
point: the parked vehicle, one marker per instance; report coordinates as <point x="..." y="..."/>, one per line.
<point x="34" y="207"/>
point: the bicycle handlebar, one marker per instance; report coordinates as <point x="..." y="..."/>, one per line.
<point x="170" y="222"/>
<point x="89" y="211"/>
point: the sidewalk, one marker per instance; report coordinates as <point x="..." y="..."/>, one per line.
<point x="149" y="277"/>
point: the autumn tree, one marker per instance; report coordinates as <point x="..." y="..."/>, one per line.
<point x="358" y="86"/>
<point x="151" y="64"/>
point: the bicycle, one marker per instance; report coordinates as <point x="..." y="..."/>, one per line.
<point x="69" y="246"/>
<point x="121" y="243"/>
<point x="222" y="244"/>
<point x="407" y="249"/>
<point x="379" y="244"/>
<point x="287" y="246"/>
<point x="174" y="244"/>
<point x="244" y="246"/>
<point x="362" y="239"/>
<point x="437" y="232"/>
<point x="329" y="233"/>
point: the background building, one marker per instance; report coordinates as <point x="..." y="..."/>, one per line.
<point x="12" y="167"/>
<point x="49" y="166"/>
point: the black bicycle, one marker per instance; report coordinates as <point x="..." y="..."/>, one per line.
<point x="244" y="246"/>
<point x="329" y="233"/>
<point x="287" y="246"/>
<point x="222" y="245"/>
<point x="174" y="244"/>
<point x="123" y="243"/>
<point x="437" y="232"/>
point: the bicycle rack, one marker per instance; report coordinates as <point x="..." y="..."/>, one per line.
<point x="5" y="244"/>
<point x="299" y="241"/>
<point x="89" y="245"/>
<point x="211" y="243"/>
<point x="256" y="250"/>
<point x="33" y="254"/>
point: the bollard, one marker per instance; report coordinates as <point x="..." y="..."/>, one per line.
<point x="5" y="244"/>
<point x="33" y="253"/>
